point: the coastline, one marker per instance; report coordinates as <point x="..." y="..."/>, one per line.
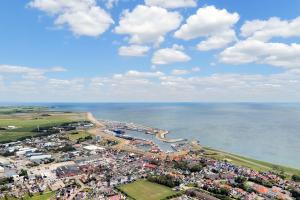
<point x="214" y="153"/>
<point x="160" y="135"/>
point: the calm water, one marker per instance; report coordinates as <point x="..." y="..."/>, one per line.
<point x="269" y="132"/>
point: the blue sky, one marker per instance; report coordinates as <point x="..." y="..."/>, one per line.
<point x="152" y="50"/>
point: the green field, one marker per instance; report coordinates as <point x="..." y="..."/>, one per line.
<point x="20" y="109"/>
<point x="45" y="196"/>
<point x="145" y="190"/>
<point x="80" y="134"/>
<point x="250" y="163"/>
<point x="26" y="123"/>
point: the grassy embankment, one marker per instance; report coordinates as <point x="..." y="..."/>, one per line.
<point x="28" y="121"/>
<point x="249" y="162"/>
<point x="145" y="190"/>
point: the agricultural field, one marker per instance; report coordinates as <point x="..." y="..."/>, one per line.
<point x="145" y="190"/>
<point x="20" y="109"/>
<point x="18" y="126"/>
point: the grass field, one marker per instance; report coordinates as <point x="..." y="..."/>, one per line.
<point x="45" y="196"/>
<point x="80" y="134"/>
<point x="250" y="163"/>
<point x="20" y="109"/>
<point x="26" y="123"/>
<point x="145" y="190"/>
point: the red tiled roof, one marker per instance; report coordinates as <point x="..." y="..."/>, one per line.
<point x="150" y="166"/>
<point x="116" y="197"/>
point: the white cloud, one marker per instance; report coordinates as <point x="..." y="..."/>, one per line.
<point x="29" y="72"/>
<point x="59" y="85"/>
<point x="1" y="83"/>
<point x="215" y="24"/>
<point x="58" y="69"/>
<point x="172" y="3"/>
<point x="138" y="74"/>
<point x="217" y="41"/>
<point x="111" y="3"/>
<point x="265" y="30"/>
<point x="148" y="24"/>
<point x="133" y="50"/>
<point x="170" y="55"/>
<point x="83" y="17"/>
<point x="156" y="86"/>
<point x="254" y="51"/>
<point x="196" y="69"/>
<point x="177" y="72"/>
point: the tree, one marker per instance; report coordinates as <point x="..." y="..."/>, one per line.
<point x="67" y="148"/>
<point x="23" y="172"/>
<point x="296" y="178"/>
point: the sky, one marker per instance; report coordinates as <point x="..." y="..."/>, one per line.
<point x="149" y="51"/>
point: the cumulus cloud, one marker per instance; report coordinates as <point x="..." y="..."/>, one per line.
<point x="264" y="30"/>
<point x="196" y="69"/>
<point x="61" y="84"/>
<point x="29" y="72"/>
<point x="138" y="74"/>
<point x="172" y="3"/>
<point x="58" y="69"/>
<point x="147" y="24"/>
<point x="111" y="3"/>
<point x="217" y="41"/>
<point x="153" y="86"/>
<point x="133" y="50"/>
<point x="170" y="55"/>
<point x="177" y="72"/>
<point x="214" y="24"/>
<point x="83" y="17"/>
<point x="249" y="51"/>
<point x="1" y="83"/>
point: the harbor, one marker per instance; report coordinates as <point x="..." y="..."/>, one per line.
<point x="120" y="128"/>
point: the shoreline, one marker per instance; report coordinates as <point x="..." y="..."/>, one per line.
<point x="239" y="160"/>
<point x="160" y="135"/>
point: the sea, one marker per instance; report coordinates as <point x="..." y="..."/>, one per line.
<point x="264" y="131"/>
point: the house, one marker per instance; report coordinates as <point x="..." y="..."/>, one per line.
<point x="150" y="166"/>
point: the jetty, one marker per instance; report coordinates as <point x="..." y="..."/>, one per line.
<point x="161" y="135"/>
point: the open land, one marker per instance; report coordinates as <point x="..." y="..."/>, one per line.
<point x="22" y="125"/>
<point x="145" y="190"/>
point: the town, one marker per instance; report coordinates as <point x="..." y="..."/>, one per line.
<point x="84" y="160"/>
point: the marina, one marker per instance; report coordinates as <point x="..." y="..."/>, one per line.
<point x="119" y="129"/>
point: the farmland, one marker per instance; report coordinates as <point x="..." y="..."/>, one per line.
<point x="21" y="125"/>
